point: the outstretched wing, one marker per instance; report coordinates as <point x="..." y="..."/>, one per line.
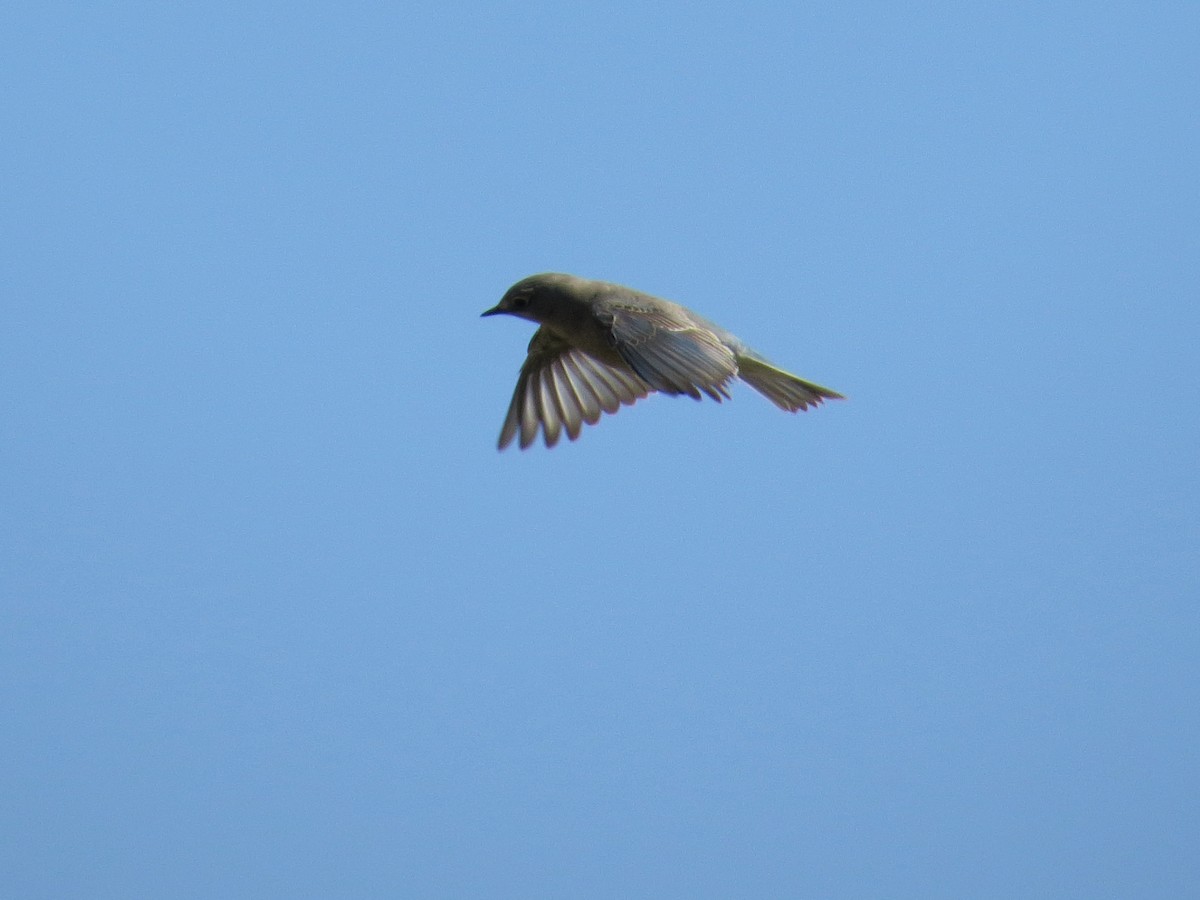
<point x="561" y="387"/>
<point x="671" y="353"/>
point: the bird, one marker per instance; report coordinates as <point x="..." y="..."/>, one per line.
<point x="601" y="346"/>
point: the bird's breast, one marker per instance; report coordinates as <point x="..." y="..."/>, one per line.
<point x="581" y="328"/>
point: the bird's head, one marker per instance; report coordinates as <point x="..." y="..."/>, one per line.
<point x="538" y="296"/>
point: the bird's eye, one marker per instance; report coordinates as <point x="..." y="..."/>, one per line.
<point x="520" y="301"/>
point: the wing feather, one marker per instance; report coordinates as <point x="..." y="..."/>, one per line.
<point x="671" y="353"/>
<point x="560" y="387"/>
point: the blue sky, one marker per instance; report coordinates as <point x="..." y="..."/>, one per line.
<point x="278" y="620"/>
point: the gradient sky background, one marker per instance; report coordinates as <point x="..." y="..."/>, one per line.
<point x="279" y="621"/>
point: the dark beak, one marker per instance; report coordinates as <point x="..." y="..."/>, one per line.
<point x="494" y="311"/>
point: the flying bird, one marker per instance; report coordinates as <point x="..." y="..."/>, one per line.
<point x="601" y="345"/>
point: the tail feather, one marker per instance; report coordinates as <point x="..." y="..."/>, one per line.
<point x="784" y="389"/>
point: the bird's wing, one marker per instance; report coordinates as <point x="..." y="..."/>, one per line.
<point x="670" y="353"/>
<point x="561" y="387"/>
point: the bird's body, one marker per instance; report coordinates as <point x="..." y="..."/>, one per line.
<point x="601" y="345"/>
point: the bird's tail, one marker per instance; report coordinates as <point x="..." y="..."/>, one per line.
<point x="784" y="389"/>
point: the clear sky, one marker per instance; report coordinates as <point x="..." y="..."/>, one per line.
<point x="279" y="621"/>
